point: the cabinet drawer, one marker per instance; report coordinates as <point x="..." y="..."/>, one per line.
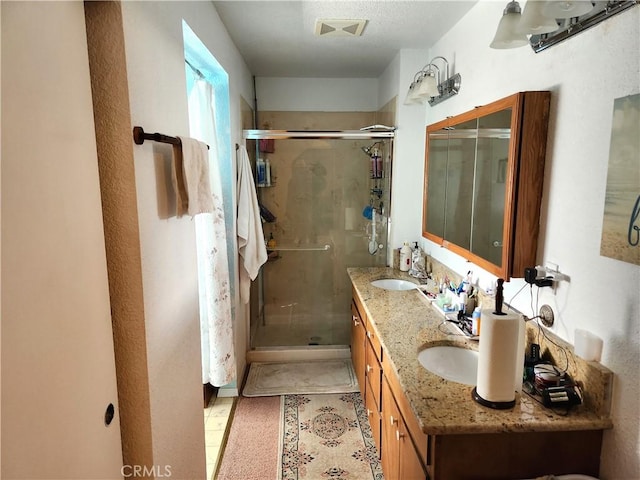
<point x="373" y="373"/>
<point x="359" y="306"/>
<point x="375" y="343"/>
<point x="374" y="418"/>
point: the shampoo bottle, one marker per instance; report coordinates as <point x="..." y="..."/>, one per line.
<point x="475" y="322"/>
<point x="261" y="172"/>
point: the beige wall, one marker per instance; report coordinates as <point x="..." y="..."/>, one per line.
<point x="152" y="257"/>
<point x="117" y="177"/>
<point x="58" y="371"/>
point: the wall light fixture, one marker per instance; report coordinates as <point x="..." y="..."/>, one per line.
<point x="428" y="86"/>
<point x="549" y="22"/>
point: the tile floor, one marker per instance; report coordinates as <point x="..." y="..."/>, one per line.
<point x="216" y="417"/>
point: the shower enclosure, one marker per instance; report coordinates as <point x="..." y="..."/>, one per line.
<point x="324" y="199"/>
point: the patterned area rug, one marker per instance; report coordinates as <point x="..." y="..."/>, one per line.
<point x="326" y="437"/>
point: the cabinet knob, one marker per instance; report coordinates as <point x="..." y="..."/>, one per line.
<point x="368" y="412"/>
<point x="399" y="435"/>
<point x="369" y="368"/>
<point x="355" y="320"/>
<point x="369" y="334"/>
<point x="393" y="420"/>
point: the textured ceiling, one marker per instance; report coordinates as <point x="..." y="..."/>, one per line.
<point x="277" y="38"/>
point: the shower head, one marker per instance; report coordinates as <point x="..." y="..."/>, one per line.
<point x="367" y="150"/>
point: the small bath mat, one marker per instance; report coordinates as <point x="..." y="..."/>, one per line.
<point x="300" y="378"/>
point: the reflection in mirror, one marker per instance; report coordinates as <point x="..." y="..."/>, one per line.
<point x="436" y="182"/>
<point x="490" y="185"/>
<point x="459" y="193"/>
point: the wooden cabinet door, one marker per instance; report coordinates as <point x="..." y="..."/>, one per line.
<point x="373" y="414"/>
<point x="358" y="339"/>
<point x="373" y="373"/>
<point x="410" y="465"/>
<point x="400" y="460"/>
<point x="390" y="456"/>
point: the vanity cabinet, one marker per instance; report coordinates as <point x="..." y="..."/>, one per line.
<point x="407" y="453"/>
<point x="366" y="367"/>
<point x="391" y="433"/>
<point x="483" y="182"/>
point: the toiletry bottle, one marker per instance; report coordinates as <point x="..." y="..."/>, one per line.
<point x="475" y="322"/>
<point x="405" y="257"/>
<point x="376" y="160"/>
<point x="271" y="244"/>
<point x="373" y="165"/>
<point x="261" y="172"/>
<point x="267" y="173"/>
<point x="417" y="262"/>
<point x="462" y="302"/>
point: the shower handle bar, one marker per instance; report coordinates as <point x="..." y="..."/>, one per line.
<point x="300" y="249"/>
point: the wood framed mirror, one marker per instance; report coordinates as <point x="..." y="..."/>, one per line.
<point x="483" y="179"/>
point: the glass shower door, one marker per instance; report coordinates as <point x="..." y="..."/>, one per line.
<point x="328" y="201"/>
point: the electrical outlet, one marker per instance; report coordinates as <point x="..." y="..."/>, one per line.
<point x="546" y="315"/>
<point x="552" y="271"/>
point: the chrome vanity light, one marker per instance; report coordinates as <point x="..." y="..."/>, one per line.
<point x="534" y="21"/>
<point x="427" y="84"/>
<point x="508" y="34"/>
<point x="549" y="22"/>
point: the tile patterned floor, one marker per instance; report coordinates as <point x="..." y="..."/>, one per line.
<point x="216" y="416"/>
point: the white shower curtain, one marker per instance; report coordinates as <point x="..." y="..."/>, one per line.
<point x="216" y="323"/>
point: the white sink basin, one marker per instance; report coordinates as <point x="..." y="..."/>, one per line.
<point x="394" y="284"/>
<point x="452" y="363"/>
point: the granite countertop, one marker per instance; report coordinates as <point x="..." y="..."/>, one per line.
<point x="406" y="323"/>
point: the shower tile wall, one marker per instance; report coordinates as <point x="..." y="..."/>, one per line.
<point x="319" y="190"/>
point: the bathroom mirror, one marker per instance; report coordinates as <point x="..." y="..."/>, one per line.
<point x="483" y="182"/>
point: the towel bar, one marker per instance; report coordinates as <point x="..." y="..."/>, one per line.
<point x="139" y="136"/>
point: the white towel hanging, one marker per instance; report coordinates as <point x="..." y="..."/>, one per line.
<point x="251" y="245"/>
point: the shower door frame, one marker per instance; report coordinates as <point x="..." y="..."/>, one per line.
<point x="376" y="132"/>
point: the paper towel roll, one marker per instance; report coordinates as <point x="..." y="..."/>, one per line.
<point x="522" y="331"/>
<point x="497" y="359"/>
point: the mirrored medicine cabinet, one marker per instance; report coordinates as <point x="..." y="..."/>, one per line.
<point x="483" y="181"/>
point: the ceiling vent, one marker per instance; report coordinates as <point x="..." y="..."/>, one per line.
<point x="339" y="27"/>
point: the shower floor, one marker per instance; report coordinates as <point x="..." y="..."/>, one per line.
<point x="301" y="330"/>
